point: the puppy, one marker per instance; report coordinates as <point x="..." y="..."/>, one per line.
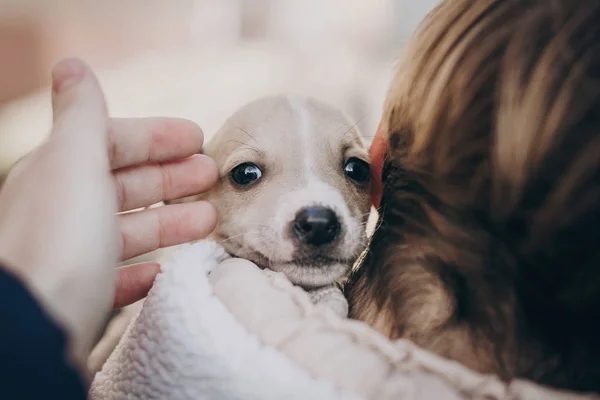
<point x="487" y="248"/>
<point x="293" y="191"/>
<point x="292" y="196"/>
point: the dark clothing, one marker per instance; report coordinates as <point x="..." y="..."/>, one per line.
<point x="32" y="349"/>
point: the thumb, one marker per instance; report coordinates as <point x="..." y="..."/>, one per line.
<point x="78" y="105"/>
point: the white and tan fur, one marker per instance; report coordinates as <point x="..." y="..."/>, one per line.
<point x="301" y="146"/>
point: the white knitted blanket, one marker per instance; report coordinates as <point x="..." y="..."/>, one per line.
<point x="224" y="329"/>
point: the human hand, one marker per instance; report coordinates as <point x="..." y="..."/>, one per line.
<point x="59" y="231"/>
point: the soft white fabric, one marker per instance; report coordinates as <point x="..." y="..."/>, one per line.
<point x="244" y="333"/>
<point x="186" y="345"/>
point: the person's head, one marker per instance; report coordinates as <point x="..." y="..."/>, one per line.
<point x="487" y="249"/>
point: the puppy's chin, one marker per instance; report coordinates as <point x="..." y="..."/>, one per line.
<point x="312" y="276"/>
<point x="312" y="272"/>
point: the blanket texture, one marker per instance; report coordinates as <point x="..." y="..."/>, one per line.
<point x="217" y="328"/>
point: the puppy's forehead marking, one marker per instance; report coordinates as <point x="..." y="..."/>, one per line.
<point x="304" y="133"/>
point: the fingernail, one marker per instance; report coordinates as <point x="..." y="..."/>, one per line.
<point x="66" y="74"/>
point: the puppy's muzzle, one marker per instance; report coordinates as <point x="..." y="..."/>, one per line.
<point x="316" y="226"/>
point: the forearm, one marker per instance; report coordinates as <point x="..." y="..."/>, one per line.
<point x="33" y="361"/>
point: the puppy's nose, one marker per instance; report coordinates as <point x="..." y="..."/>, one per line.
<point x="316" y="226"/>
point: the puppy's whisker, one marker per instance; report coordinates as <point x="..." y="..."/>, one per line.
<point x="378" y="224"/>
<point x="358" y="121"/>
<point x="261" y="227"/>
<point x="238" y="235"/>
<point x="257" y="224"/>
<point x="246" y="146"/>
<point x="247" y="133"/>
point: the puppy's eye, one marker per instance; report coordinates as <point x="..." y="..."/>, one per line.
<point x="245" y="174"/>
<point x="357" y="170"/>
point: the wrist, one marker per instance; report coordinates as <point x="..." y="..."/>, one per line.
<point x="65" y="303"/>
<point x="35" y="343"/>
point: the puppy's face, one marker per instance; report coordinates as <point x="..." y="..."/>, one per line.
<point x="293" y="193"/>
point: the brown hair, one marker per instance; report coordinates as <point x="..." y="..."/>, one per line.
<point x="488" y="245"/>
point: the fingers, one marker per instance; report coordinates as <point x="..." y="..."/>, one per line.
<point x="78" y="107"/>
<point x="134" y="282"/>
<point x="135" y="141"/>
<point x="149" y="230"/>
<point x="148" y="184"/>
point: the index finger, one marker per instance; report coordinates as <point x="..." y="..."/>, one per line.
<point x="135" y="141"/>
<point x="134" y="282"/>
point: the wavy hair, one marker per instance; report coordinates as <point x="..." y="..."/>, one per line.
<point x="487" y="249"/>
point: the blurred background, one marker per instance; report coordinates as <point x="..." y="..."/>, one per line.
<point x="199" y="59"/>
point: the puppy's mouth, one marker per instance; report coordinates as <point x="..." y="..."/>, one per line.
<point x="306" y="271"/>
<point x="316" y="261"/>
<point x="313" y="261"/>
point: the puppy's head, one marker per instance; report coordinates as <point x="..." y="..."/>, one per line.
<point x="293" y="192"/>
<point x="487" y="247"/>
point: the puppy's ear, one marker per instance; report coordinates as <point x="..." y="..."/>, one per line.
<point x="188" y="199"/>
